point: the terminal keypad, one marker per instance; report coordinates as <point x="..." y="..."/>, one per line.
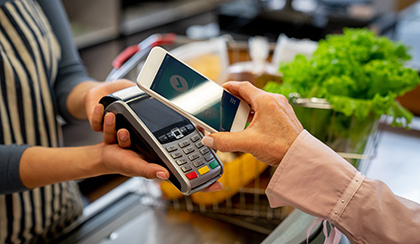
<point x="191" y="156"/>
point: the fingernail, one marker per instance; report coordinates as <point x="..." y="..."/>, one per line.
<point x="161" y="175"/>
<point x="208" y="141"/>
<point x="219" y="186"/>
<point x="123" y="135"/>
<point x="109" y="120"/>
<point x="98" y="109"/>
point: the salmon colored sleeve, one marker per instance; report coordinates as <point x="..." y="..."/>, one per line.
<point x="316" y="180"/>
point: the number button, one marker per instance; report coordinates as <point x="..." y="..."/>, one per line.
<point x="193" y="156"/>
<point x="186" y="168"/>
<point x="181" y="162"/>
<point x="195" y="138"/>
<point x="204" y="150"/>
<point x="199" y="144"/>
<point x="198" y="163"/>
<point x="171" y="148"/>
<point x="176" y="155"/>
<point x="184" y="143"/>
<point x="208" y="157"/>
<point x="189" y="150"/>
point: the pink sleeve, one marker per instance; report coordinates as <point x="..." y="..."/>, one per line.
<point x="316" y="180"/>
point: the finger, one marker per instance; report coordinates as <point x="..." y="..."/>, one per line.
<point x="117" y="85"/>
<point x="230" y="87"/>
<point x="226" y="141"/>
<point x="109" y="128"/>
<point x="136" y="165"/>
<point x="124" y="138"/>
<point x="150" y="170"/>
<point x="245" y="90"/>
<point x="101" y="89"/>
<point x="97" y="117"/>
<point x="91" y="103"/>
<point x="216" y="186"/>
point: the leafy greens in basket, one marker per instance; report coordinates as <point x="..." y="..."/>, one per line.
<point x="359" y="73"/>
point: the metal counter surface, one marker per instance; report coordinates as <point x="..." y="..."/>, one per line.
<point x="397" y="162"/>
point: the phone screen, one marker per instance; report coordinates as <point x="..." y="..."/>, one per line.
<point x="195" y="94"/>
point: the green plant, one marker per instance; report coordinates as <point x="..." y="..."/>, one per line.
<point x="360" y="75"/>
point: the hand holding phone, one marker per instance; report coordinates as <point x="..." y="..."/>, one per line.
<point x="190" y="93"/>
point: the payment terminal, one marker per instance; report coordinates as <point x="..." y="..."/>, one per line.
<point x="163" y="136"/>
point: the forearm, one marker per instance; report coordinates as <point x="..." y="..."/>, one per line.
<point x="376" y="215"/>
<point x="76" y="100"/>
<point x="314" y="179"/>
<point x="309" y="163"/>
<point x="40" y="166"/>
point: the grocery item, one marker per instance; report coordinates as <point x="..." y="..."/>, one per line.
<point x="360" y="75"/>
<point x="238" y="173"/>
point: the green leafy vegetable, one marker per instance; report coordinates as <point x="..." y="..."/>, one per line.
<point x="360" y="75"/>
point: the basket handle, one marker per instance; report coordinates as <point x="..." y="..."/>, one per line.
<point x="151" y="41"/>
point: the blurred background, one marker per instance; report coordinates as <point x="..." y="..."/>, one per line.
<point x="112" y="25"/>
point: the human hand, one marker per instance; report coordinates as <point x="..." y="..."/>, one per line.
<point x="119" y="159"/>
<point x="115" y="148"/>
<point x="94" y="110"/>
<point x="273" y="128"/>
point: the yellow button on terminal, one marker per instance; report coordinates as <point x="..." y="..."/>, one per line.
<point x="203" y="170"/>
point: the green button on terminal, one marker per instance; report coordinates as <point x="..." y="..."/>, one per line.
<point x="213" y="164"/>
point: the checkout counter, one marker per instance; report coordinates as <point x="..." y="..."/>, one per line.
<point x="133" y="212"/>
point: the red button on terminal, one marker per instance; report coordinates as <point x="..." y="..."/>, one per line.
<point x="192" y="175"/>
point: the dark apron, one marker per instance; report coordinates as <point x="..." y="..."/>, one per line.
<point x="29" y="57"/>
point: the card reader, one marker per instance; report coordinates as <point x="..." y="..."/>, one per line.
<point x="165" y="137"/>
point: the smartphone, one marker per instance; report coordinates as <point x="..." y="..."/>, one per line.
<point x="165" y="137"/>
<point x="190" y="93"/>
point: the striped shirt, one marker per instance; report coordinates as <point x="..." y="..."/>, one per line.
<point x="39" y="66"/>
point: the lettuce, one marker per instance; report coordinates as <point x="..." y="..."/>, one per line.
<point x="360" y="75"/>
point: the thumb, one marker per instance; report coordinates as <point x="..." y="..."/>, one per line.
<point x="225" y="141"/>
